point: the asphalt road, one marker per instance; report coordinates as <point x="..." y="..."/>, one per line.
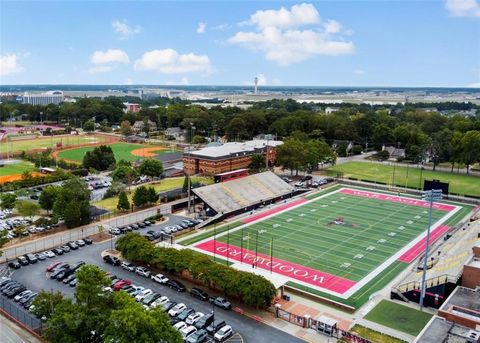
<point x="35" y="278"/>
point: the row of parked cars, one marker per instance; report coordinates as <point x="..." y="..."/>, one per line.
<point x="28" y="259"/>
<point x="12" y="224"/>
<point x="18" y="292"/>
<point x="64" y="272"/>
<point x="194" y="326"/>
<point x="129" y="228"/>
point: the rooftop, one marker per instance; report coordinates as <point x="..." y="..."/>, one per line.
<point x="233" y="148"/>
<point x="463" y="297"/>
<point x="441" y="330"/>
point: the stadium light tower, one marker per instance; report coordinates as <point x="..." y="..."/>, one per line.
<point x="431" y="195"/>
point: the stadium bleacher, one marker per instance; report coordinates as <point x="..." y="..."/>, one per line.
<point x="231" y="196"/>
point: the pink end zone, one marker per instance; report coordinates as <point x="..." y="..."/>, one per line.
<point x="282" y="267"/>
<point x="277" y="209"/>
<point x="393" y="198"/>
<point x="419" y="247"/>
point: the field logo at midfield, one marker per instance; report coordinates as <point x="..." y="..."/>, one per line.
<point x="282" y="267"/>
<point x="393" y="198"/>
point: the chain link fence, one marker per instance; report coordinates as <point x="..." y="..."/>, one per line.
<point x="59" y="239"/>
<point x="20" y="314"/>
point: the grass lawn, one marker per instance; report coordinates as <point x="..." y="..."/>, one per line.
<point x="399" y="317"/>
<point x="122" y="151"/>
<point x="374" y="336"/>
<point x="49" y="142"/>
<point x="459" y="183"/>
<point x="17" y="168"/>
<point x="164" y="185"/>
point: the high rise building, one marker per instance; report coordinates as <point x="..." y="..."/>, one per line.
<point x="52" y="97"/>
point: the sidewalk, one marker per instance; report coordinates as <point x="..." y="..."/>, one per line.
<point x="12" y="333"/>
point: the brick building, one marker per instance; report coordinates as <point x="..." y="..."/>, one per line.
<point x="228" y="157"/>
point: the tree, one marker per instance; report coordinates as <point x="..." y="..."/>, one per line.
<point x="470" y="148"/>
<point x="7" y="200"/>
<point x="46" y="302"/>
<point x="197" y="139"/>
<point x="383" y="155"/>
<point x="125" y="174"/>
<point x="152" y="195"/>
<point x="27" y="208"/>
<point x="151" y="167"/>
<point x="75" y="197"/>
<point x="140" y="196"/>
<point x="123" y="202"/>
<point x="89" y="126"/>
<point x="3" y="239"/>
<point x="126" y="128"/>
<point x="185" y="183"/>
<point x="129" y="322"/>
<point x="100" y="158"/>
<point x="48" y="197"/>
<point x="290" y="154"/>
<point x="257" y="163"/>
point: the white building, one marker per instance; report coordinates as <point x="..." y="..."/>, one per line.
<point x="52" y="97"/>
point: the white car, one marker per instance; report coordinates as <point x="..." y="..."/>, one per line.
<point x="49" y="254"/>
<point x="299" y="184"/>
<point x="128" y="266"/>
<point x="160" y="278"/>
<point x="223" y="333"/>
<point x="142" y="271"/>
<point x="143" y="294"/>
<point x="193" y="318"/>
<point x="177" y="309"/>
<point x="180" y="326"/>
<point x="187" y="331"/>
<point x="21" y="295"/>
<point x="160" y="301"/>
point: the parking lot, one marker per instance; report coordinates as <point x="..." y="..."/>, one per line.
<point x="35" y="278"/>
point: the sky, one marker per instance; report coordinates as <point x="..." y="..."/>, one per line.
<point x="318" y="43"/>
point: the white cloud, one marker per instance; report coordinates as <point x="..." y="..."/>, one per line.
<point x="169" y="61"/>
<point x="279" y="36"/>
<point x="110" y="56"/>
<point x="298" y="15"/>
<point x="359" y="72"/>
<point x="332" y="26"/>
<point x="124" y="30"/>
<point x="9" y="64"/>
<point x="201" y="27"/>
<point x="463" y="8"/>
<point x="100" y="69"/>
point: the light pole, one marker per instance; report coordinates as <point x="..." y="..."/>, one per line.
<point x="431" y="196"/>
<point x="189" y="160"/>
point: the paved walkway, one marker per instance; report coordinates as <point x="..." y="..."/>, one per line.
<point x="12" y="333"/>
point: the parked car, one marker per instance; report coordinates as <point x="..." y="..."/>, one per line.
<point x="128" y="266"/>
<point x="160" y="278"/>
<point x="88" y="240"/>
<point x="49" y="254"/>
<point x="23" y="261"/>
<point x="53" y="266"/>
<point x="143" y="294"/>
<point x="58" y="251"/>
<point x="198" y="293"/>
<point x="73" y="283"/>
<point x="193" y="318"/>
<point x="168" y="305"/>
<point x="205" y="321"/>
<point x="22" y="294"/>
<point x="199" y="336"/>
<point x="149" y="299"/>
<point x="221" y="302"/>
<point x="69" y="278"/>
<point x="65" y="248"/>
<point x="120" y="283"/>
<point x="14" y="264"/>
<point x="215" y="326"/>
<point x="142" y="271"/>
<point x="177" y="309"/>
<point x="27" y="299"/>
<point x="160" y="302"/>
<point x="180" y="326"/>
<point x="31" y="258"/>
<point x="114" y="231"/>
<point x="111" y="260"/>
<point x="72" y="245"/>
<point x="187" y="331"/>
<point x="183" y="315"/>
<point x="176" y="285"/>
<point x="224" y="333"/>
<point x="80" y="242"/>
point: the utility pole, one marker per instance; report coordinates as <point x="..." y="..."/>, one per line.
<point x="431" y="196"/>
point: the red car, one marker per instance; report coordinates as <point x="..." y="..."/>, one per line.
<point x="120" y="284"/>
<point x="53" y="266"/>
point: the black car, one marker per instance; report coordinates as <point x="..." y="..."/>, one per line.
<point x="31" y="258"/>
<point x="198" y="293"/>
<point x="205" y="321"/>
<point x="77" y="265"/>
<point x="14" y="264"/>
<point x="64" y="273"/>
<point x="15" y="291"/>
<point x="88" y="240"/>
<point x="56" y="273"/>
<point x="72" y="245"/>
<point x="69" y="278"/>
<point x="142" y="225"/>
<point x="58" y="251"/>
<point x="176" y="285"/>
<point x="215" y="326"/>
<point x="135" y="226"/>
<point x="23" y="261"/>
<point x="111" y="260"/>
<point x="150" y="237"/>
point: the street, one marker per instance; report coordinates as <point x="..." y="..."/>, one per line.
<point x="35" y="278"/>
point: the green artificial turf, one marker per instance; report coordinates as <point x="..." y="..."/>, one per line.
<point x="16" y="168"/>
<point x="461" y="184"/>
<point x="399" y="317"/>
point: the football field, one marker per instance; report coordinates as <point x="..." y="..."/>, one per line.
<point x="336" y="242"/>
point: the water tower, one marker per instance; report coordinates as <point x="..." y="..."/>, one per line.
<point x="255" y="81"/>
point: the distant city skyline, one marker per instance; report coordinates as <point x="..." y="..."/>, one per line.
<point x="316" y="43"/>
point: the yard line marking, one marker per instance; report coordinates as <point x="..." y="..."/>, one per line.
<point x="409" y="222"/>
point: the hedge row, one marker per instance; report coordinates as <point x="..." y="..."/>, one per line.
<point x="253" y="290"/>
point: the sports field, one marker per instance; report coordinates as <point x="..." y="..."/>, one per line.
<point x="337" y="242"/>
<point x="122" y="151"/>
<point x="49" y="142"/>
<point x="13" y="171"/>
<point x="407" y="177"/>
